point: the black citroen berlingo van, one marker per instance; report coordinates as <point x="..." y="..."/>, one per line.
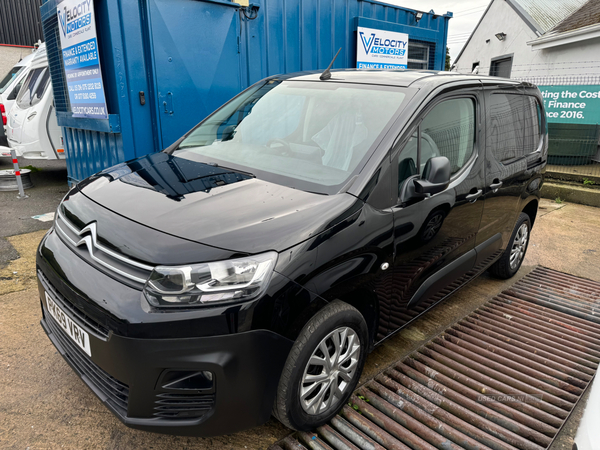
<point x="250" y="268"/>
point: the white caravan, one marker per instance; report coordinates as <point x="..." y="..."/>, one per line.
<point x="32" y="129"/>
<point x="13" y="81"/>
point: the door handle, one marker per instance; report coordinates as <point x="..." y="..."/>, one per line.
<point x="168" y="104"/>
<point x="473" y="197"/>
<point x="497" y="184"/>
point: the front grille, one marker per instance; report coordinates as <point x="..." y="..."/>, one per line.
<point x="85" y="321"/>
<point x="105" y="386"/>
<point x="183" y="406"/>
<point x="85" y="243"/>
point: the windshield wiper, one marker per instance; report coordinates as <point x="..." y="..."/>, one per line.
<point x="214" y="164"/>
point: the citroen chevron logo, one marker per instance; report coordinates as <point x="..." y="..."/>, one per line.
<point x="90" y="240"/>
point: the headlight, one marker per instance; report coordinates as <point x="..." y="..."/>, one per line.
<point x="216" y="282"/>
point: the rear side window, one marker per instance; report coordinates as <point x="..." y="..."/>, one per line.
<point x="506" y="126"/>
<point x="33" y="88"/>
<point x="10" y="76"/>
<point x="533" y="124"/>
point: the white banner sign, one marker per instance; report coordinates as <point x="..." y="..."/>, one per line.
<point x="378" y="49"/>
<point x="77" y="29"/>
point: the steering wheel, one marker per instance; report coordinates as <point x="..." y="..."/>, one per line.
<point x="283" y="146"/>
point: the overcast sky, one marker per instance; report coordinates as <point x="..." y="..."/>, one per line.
<point x="466" y="15"/>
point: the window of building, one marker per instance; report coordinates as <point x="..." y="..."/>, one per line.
<point x="501" y="67"/>
<point x="475" y="67"/>
<point x="418" y="56"/>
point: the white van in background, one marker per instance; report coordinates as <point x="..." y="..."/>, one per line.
<point x="13" y="81"/>
<point x="10" y="85"/>
<point x="32" y="129"/>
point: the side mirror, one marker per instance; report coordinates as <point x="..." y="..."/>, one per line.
<point x="436" y="176"/>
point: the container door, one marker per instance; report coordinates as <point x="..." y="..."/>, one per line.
<point x="196" y="57"/>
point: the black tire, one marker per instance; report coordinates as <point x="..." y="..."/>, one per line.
<point x="289" y="408"/>
<point x="503" y="268"/>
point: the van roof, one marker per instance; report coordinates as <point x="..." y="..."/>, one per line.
<point x="40" y="57"/>
<point x="30" y="57"/>
<point x="398" y="77"/>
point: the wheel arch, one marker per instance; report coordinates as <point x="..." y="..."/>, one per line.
<point x="531" y="209"/>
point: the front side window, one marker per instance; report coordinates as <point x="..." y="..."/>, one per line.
<point x="33" y="87"/>
<point x="10" y="76"/>
<point x="307" y="135"/>
<point x="447" y="130"/>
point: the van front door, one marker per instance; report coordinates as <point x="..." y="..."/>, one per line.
<point x="435" y="234"/>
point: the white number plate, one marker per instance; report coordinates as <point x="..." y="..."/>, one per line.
<point x="75" y="332"/>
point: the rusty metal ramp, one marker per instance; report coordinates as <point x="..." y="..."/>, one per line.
<point x="507" y="376"/>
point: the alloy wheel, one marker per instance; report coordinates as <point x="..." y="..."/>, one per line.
<point x="330" y="371"/>
<point x="519" y="246"/>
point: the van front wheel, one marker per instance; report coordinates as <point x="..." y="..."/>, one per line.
<point x="323" y="367"/>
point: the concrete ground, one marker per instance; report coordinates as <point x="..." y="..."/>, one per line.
<point x="16" y="218"/>
<point x="43" y="404"/>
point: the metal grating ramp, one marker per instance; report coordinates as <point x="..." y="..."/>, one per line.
<point x="505" y="377"/>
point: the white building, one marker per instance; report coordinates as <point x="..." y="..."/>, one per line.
<point x="554" y="44"/>
<point x="529" y="39"/>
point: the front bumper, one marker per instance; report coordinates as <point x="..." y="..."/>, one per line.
<point x="130" y="373"/>
<point x="126" y="375"/>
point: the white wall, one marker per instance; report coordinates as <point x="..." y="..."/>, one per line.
<point x="565" y="64"/>
<point x="500" y="18"/>
<point x="577" y="63"/>
<point x="9" y="56"/>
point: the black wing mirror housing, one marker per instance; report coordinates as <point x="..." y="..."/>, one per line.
<point x="436" y="176"/>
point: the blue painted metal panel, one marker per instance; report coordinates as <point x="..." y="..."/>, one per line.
<point x="91" y="151"/>
<point x="190" y="56"/>
<point x="196" y="67"/>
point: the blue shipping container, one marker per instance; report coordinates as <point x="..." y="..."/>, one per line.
<point x="187" y="57"/>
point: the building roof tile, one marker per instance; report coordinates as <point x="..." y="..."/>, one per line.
<point x="588" y="14"/>
<point x="547" y="14"/>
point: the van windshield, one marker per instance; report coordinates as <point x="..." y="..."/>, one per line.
<point x="34" y="87"/>
<point x="10" y="76"/>
<point x="312" y="136"/>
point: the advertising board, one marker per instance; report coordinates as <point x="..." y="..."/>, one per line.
<point x="378" y="49"/>
<point x="77" y="29"/>
<point x="572" y="104"/>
